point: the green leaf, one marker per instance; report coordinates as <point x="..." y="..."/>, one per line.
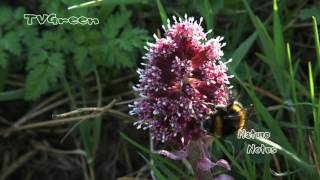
<point x="279" y="46"/>
<point x="268" y="49"/>
<point x="307" y="13"/>
<point x="166" y="171"/>
<point x="18" y="13"/>
<point x="81" y="61"/>
<point x="43" y="74"/>
<point x="104" y="2"/>
<point x="272" y="124"/>
<point x="156" y="157"/>
<point x="12" y="95"/>
<point x="242" y="50"/>
<point x="131" y="38"/>
<point x="5" y="15"/>
<point x="115" y="23"/>
<point x="156" y="172"/>
<point x="3" y="59"/>
<point x="118" y="58"/>
<point x="4" y="71"/>
<point x="316" y="41"/>
<point x="37" y="58"/>
<point x="208" y="14"/>
<point x="284" y="151"/>
<point x="10" y="42"/>
<point x="162" y="12"/>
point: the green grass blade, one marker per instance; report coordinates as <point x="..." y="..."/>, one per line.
<point x="285" y="152"/>
<point x="261" y="111"/>
<point x="295" y="100"/>
<point x="156" y="173"/>
<point x="241" y="51"/>
<point x="208" y="16"/>
<point x="231" y="157"/>
<point x="272" y="124"/>
<point x="311" y="85"/>
<point x="134" y="143"/>
<point x="279" y="45"/>
<point x="12" y="95"/>
<point x="86" y="4"/>
<point x="154" y="156"/>
<point x="162" y="12"/>
<point x="4" y="71"/>
<point x="99" y="2"/>
<point x="85" y="127"/>
<point x="166" y="171"/>
<point x="317" y="42"/>
<point x="268" y="48"/>
<point x="262" y="31"/>
<point x="315" y="112"/>
<point x="97" y="121"/>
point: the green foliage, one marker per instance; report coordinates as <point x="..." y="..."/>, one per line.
<point x="122" y="42"/>
<point x="309" y="12"/>
<point x="52" y="51"/>
<point x="43" y="71"/>
<point x="163" y="168"/>
<point x="162" y="12"/>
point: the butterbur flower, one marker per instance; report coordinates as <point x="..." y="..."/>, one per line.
<point x="182" y="78"/>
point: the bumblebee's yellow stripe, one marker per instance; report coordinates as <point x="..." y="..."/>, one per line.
<point x="237" y="107"/>
<point x="217" y="126"/>
<point x="242" y="120"/>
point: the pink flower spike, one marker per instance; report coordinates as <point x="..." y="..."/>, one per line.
<point x="182" y="75"/>
<point x="177" y="155"/>
<point x="183" y="78"/>
<point x="224" y="177"/>
<point x="223" y="163"/>
<point x="205" y="164"/>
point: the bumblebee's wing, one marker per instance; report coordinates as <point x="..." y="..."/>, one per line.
<point x="250" y="110"/>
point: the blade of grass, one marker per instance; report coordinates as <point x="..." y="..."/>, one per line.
<point x="316" y="115"/>
<point x="261" y="111"/>
<point x="72" y="107"/>
<point x="4" y="71"/>
<point x="295" y="100"/>
<point x="279" y="45"/>
<point x="162" y="12"/>
<point x="285" y="152"/>
<point x="166" y="171"/>
<point x="99" y="2"/>
<point x="12" y="95"/>
<point x="86" y="127"/>
<point x="208" y="16"/>
<point x="234" y="161"/>
<point x="268" y="49"/>
<point x="86" y="4"/>
<point x="97" y="121"/>
<point x="157" y="174"/>
<point x="311" y="85"/>
<point x="311" y="79"/>
<point x="156" y="157"/>
<point x="241" y="51"/>
<point x="317" y="43"/>
<point x="262" y="32"/>
<point x="301" y="87"/>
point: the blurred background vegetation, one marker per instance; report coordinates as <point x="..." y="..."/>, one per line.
<point x="47" y="70"/>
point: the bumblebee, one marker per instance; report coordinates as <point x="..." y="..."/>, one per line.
<point x="226" y="120"/>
